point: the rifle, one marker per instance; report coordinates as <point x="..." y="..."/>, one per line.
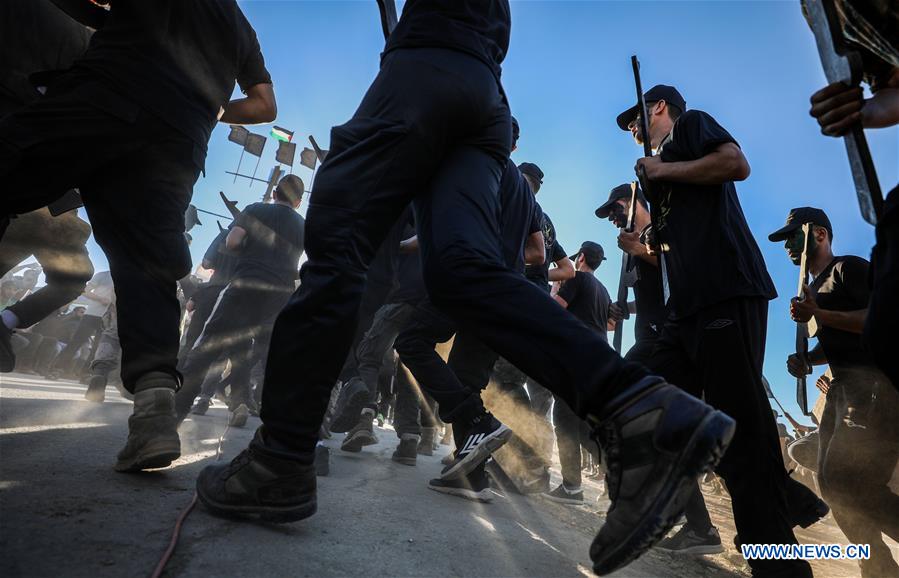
<point x="626" y="278"/>
<point x="388" y="16"/>
<point x="641" y="173"/>
<point x="231" y="205"/>
<point x="804" y="330"/>
<point x="318" y="150"/>
<point x="844" y="65"/>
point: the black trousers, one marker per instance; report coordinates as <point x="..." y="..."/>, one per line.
<point x="388" y="323"/>
<point x="242" y="310"/>
<point x="204" y="301"/>
<point x="717" y="354"/>
<point x="89" y="326"/>
<point x="883" y="312"/>
<point x="58" y="244"/>
<point x="455" y="384"/>
<point x="858" y="450"/>
<point x="434" y="128"/>
<point x="136" y="183"/>
<point x="414" y="408"/>
<point x="572" y="432"/>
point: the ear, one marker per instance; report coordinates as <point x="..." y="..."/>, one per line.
<point x="820" y="234"/>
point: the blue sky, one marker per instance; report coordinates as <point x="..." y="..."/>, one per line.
<point x="751" y="64"/>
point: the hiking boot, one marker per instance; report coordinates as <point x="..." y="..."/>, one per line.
<point x="361" y="435"/>
<point x="96" y="389"/>
<point x="239" y="416"/>
<point x="483" y="436"/>
<point x="688" y="541"/>
<point x="563" y="495"/>
<point x="259" y="483"/>
<point x="474" y="486"/>
<point x="201" y="406"/>
<point x="447" y="438"/>
<point x="153" y="440"/>
<point x="407" y="451"/>
<point x="426" y="445"/>
<point x="350" y="403"/>
<point x="7" y="356"/>
<point x="658" y="440"/>
<point x="322" y="461"/>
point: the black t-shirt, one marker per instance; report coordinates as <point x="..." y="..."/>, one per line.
<point x="519" y="218"/>
<point x="712" y="254"/>
<point x="220" y="260"/>
<point x="539" y="274"/>
<point x="843" y="286"/>
<point x="177" y="58"/>
<point x="477" y="27"/>
<point x="650" y="304"/>
<point x="274" y="244"/>
<point x="588" y="300"/>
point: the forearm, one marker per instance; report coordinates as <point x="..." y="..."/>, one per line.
<point x="882" y="109"/>
<point x="721" y="166"/>
<point x="248" y="111"/>
<point x="562" y="272"/>
<point x="851" y="321"/>
<point x="816" y="356"/>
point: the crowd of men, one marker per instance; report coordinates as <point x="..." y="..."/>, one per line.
<point x="431" y="272"/>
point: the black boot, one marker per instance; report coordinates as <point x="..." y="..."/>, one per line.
<point x="407" y="452"/>
<point x="260" y="483"/>
<point x="153" y="440"/>
<point x="658" y="440"/>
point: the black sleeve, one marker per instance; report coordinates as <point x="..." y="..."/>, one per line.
<point x="697" y="134"/>
<point x="249" y="218"/>
<point x="556" y="252"/>
<point x="212" y="253"/>
<point x="534" y="226"/>
<point x="854" y="281"/>
<point x="252" y="69"/>
<point x="570" y="289"/>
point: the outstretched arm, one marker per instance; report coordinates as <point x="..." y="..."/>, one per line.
<point x="256" y="108"/>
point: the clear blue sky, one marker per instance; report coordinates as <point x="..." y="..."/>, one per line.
<point x="751" y="64"/>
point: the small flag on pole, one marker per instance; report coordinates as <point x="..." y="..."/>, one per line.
<point x="282" y="134"/>
<point x="308" y="158"/>
<point x="286" y="153"/>
<point x="238" y="134"/>
<point x="254" y="144"/>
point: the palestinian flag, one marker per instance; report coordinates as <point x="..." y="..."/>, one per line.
<point x="282" y="134"/>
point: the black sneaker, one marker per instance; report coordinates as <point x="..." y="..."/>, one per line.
<point x="406" y="452"/>
<point x="474" y="486"/>
<point x="352" y="400"/>
<point x="258" y="483"/>
<point x="804" y="506"/>
<point x="239" y="416"/>
<point x="658" y="440"/>
<point x="360" y="436"/>
<point x="485" y="435"/>
<point x="7" y="357"/>
<point x="153" y="440"/>
<point x="322" y="460"/>
<point x="687" y="541"/>
<point x="96" y="389"/>
<point x="201" y="406"/>
<point x="563" y="495"/>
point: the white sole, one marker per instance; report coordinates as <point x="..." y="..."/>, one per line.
<point x="484" y="496"/>
<point x="480" y="453"/>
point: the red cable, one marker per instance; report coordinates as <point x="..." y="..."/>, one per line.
<point x="174" y="541"/>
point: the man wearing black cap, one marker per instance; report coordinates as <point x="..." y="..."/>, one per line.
<point x="859" y="431"/>
<point x="268" y="241"/>
<point x="717" y="288"/>
<point x="587" y="299"/>
<point x="421" y="136"/>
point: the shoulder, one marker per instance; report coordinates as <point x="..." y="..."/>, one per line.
<point x="850" y="264"/>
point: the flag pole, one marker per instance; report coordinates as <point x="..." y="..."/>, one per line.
<point x="242" y="151"/>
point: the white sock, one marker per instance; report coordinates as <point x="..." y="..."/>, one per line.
<point x="10" y="319"/>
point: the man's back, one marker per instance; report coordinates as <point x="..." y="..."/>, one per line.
<point x="588" y="300"/>
<point x="274" y="244"/>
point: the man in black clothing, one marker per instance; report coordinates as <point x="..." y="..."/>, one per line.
<point x="144" y="103"/>
<point x="420" y="135"/>
<point x="859" y="431"/>
<point x="717" y="288"/>
<point x="268" y="241"/>
<point x="588" y="300"/>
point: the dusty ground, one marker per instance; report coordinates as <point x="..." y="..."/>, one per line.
<point x="65" y="512"/>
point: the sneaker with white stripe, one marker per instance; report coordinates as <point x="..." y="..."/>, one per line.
<point x="485" y="435"/>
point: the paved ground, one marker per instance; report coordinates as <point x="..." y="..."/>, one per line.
<point x="65" y="512"/>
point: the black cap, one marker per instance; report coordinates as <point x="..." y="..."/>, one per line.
<point x="658" y="92"/>
<point x="619" y="192"/>
<point x="531" y="170"/>
<point x="593" y="254"/>
<point x="798" y="217"/>
<point x="516" y="131"/>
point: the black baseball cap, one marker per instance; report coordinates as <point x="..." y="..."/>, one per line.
<point x="798" y="217"/>
<point x="593" y="254"/>
<point x="658" y="92"/>
<point x="531" y="170"/>
<point x="619" y="192"/>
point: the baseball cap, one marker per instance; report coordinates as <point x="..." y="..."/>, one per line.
<point x="593" y="254"/>
<point x="798" y="217"/>
<point x="619" y="192"/>
<point x="658" y="92"/>
<point x="531" y="170"/>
